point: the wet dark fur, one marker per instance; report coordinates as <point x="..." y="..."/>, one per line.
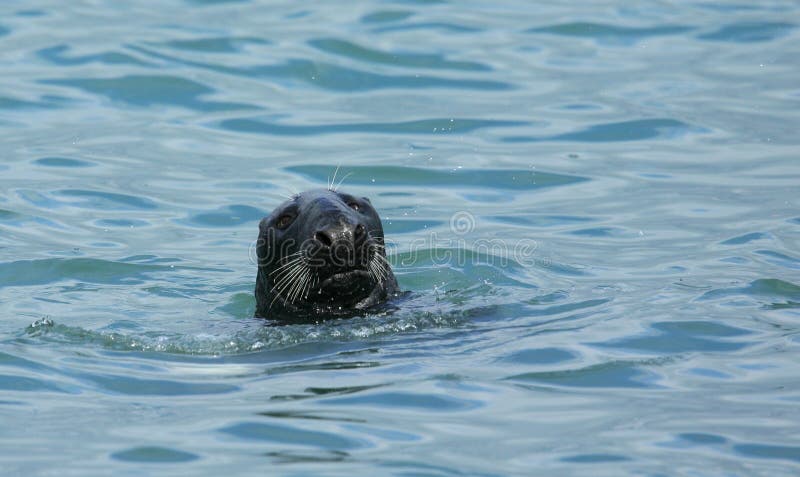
<point x="321" y="255"/>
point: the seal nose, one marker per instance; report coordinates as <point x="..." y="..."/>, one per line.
<point x="359" y="234"/>
<point x="340" y="235"/>
<point x="341" y="245"/>
<point x="344" y="235"/>
<point x="323" y="237"/>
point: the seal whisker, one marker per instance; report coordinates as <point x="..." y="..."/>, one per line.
<point x="378" y="248"/>
<point x="342" y="180"/>
<point x="287" y="264"/>
<point x="302" y="283"/>
<point x="382" y="270"/>
<point x="383" y="263"/>
<point x="288" y="276"/>
<point x="374" y="272"/>
<point x="287" y="297"/>
<point x="279" y="292"/>
<point x="291" y="195"/>
<point x="307" y="284"/>
<point x="333" y="181"/>
<point x="301" y="289"/>
<point x="288" y="280"/>
<point x="291" y="295"/>
<point x="285" y="259"/>
<point x="295" y="258"/>
<point x="377" y="268"/>
<point x="382" y="258"/>
<point x="312" y="279"/>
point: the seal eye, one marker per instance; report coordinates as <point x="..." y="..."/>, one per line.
<point x="354" y="206"/>
<point x="284" y="221"/>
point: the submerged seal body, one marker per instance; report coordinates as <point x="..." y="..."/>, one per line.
<point x="321" y="254"/>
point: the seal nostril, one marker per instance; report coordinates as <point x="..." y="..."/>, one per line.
<point x="323" y="238"/>
<point x="359" y="232"/>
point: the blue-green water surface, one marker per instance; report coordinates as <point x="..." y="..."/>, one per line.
<point x="594" y="206"/>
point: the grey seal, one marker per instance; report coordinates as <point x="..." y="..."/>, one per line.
<point x="321" y="254"/>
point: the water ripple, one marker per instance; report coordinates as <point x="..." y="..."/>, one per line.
<point x="215" y="45"/>
<point x="87" y="270"/>
<point x="764" y="288"/>
<point x="228" y="216"/>
<point x="338" y="78"/>
<point x="429" y="26"/>
<point x="670" y="337"/>
<point x="119" y="384"/>
<point x="149" y="90"/>
<point x="409" y="60"/>
<point x="400" y="400"/>
<point x="636" y="130"/>
<point x="602" y="31"/>
<point x="63" y="162"/>
<point x="10" y="103"/>
<point x="154" y="455"/>
<point x="780" y="259"/>
<point x="540" y="356"/>
<point x="613" y="374"/>
<point x="514" y="179"/>
<point x="56" y="55"/>
<point x="260" y="337"/>
<point x="26" y="384"/>
<point x="746" y="238"/>
<point x="594" y="458"/>
<point x="765" y="451"/>
<point x="750" y="32"/>
<point x="439" y="126"/>
<point x="648" y="150"/>
<point x="386" y="16"/>
<point x="292" y="435"/>
<point x="101" y="200"/>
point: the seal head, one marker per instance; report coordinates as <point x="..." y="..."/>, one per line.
<point x="321" y="254"/>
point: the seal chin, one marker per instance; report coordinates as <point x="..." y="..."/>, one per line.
<point x="345" y="281"/>
<point x="344" y="288"/>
